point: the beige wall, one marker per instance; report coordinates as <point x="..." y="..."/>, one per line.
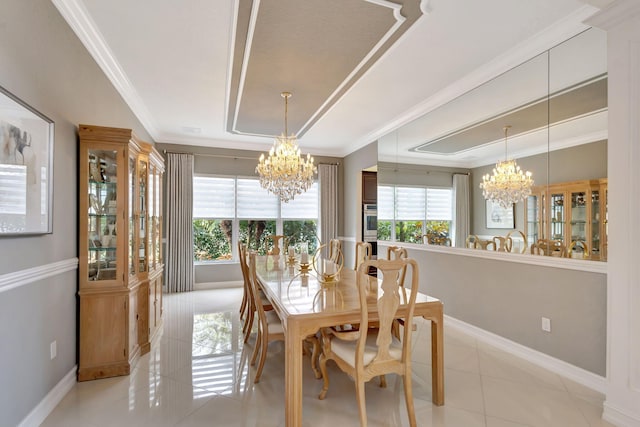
<point x="45" y="65"/>
<point x="509" y="299"/>
<point x="351" y="220"/>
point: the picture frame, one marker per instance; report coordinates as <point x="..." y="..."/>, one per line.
<point x="499" y="217"/>
<point x="26" y="168"/>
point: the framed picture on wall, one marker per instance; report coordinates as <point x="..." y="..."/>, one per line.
<point x="499" y="217"/>
<point x="26" y="168"/>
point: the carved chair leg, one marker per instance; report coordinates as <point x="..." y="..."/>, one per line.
<point x="249" y="324"/>
<point x="263" y="356"/>
<point x="362" y="407"/>
<point x="256" y="347"/>
<point x="314" y="356"/>
<point x="325" y="377"/>
<point x="383" y="381"/>
<point x="408" y="397"/>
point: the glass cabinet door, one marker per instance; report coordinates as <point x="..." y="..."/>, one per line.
<point x="143" y="171"/>
<point x="579" y="217"/>
<point x="604" y="190"/>
<point x="102" y="214"/>
<point x="132" y="223"/>
<point x="557" y="216"/>
<point x="595" y="223"/>
<point x="533" y="218"/>
<point x="152" y="214"/>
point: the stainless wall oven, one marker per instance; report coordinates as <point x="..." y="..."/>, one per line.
<point x="369" y="223"/>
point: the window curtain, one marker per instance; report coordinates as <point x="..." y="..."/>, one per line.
<point x="328" y="178"/>
<point x="461" y="215"/>
<point x="179" y="259"/>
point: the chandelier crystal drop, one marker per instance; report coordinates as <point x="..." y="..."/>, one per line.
<point x="285" y="172"/>
<point x="508" y="184"/>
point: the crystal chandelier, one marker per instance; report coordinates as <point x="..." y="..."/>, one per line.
<point x="508" y="184"/>
<point x="285" y="173"/>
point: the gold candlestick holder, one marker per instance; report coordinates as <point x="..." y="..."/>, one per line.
<point x="304" y="268"/>
<point x="323" y="276"/>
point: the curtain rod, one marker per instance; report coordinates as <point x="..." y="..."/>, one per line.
<point x="225" y="156"/>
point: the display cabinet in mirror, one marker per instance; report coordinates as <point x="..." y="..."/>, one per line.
<point x="576" y="217"/>
<point x="120" y="286"/>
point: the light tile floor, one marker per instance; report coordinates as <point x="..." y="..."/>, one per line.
<point x="196" y="374"/>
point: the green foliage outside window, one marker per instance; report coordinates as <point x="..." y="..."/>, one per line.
<point x="384" y="230"/>
<point x="438" y="228"/>
<point x="301" y="231"/>
<point x="254" y="233"/>
<point x="409" y="231"/>
<point x="211" y="239"/>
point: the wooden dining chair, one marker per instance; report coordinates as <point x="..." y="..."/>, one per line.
<point x="474" y="242"/>
<point x="244" y="304"/>
<point x="502" y="243"/>
<point x="269" y="325"/>
<point x="367" y="353"/>
<point x="250" y="311"/>
<point x="580" y="248"/>
<point x="277" y="241"/>
<point x="524" y="245"/>
<point x="397" y="252"/>
<point x="363" y="253"/>
<point x="548" y="247"/>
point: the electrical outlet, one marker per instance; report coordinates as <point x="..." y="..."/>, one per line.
<point x="546" y="324"/>
<point x="54" y="349"/>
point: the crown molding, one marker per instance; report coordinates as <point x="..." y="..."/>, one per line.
<point x="555" y="34"/>
<point x="86" y="30"/>
<point x="615" y="13"/>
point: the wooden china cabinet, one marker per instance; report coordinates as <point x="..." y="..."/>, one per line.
<point x="121" y="261"/>
<point x="570" y="212"/>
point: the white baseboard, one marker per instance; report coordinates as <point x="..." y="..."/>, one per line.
<point x="217" y="285"/>
<point x="560" y="367"/>
<point x="51" y="400"/>
<point x="618" y="417"/>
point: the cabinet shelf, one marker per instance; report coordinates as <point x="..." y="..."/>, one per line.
<point x="120" y="283"/>
<point x="95" y="215"/>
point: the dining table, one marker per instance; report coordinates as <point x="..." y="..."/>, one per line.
<point x="306" y="304"/>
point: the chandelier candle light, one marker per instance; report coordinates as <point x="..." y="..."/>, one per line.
<point x="284" y="172"/>
<point x="508" y="184"/>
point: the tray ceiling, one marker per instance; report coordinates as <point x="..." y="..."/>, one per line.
<point x="208" y="73"/>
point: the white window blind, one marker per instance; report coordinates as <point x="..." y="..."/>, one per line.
<point x="254" y="201"/>
<point x="410" y="203"/>
<point x="213" y="197"/>
<point x="13" y="189"/>
<point x="385" y="203"/>
<point x="304" y="206"/>
<point x="439" y="204"/>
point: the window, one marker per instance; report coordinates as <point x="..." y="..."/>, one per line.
<point x="230" y="209"/>
<point x="414" y="214"/>
<point x="213" y="218"/>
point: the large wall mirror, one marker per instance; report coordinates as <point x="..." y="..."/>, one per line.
<point x="555" y="108"/>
